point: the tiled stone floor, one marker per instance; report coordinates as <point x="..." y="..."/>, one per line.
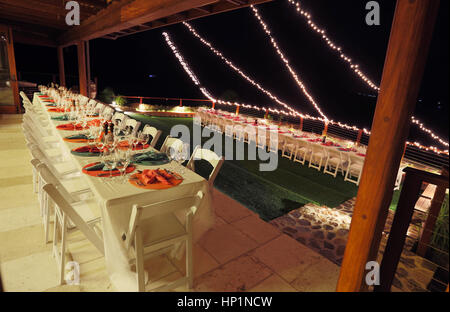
<point x="325" y="230"/>
<point x="240" y="253"/>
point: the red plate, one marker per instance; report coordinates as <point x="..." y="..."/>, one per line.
<point x="105" y="174"/>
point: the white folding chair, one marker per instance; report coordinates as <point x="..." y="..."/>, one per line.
<point x="211" y="157"/>
<point x="119" y="120"/>
<point x="61" y="170"/>
<point x="289" y="148"/>
<point x="334" y="162"/>
<point x="318" y="154"/>
<point x="72" y="189"/>
<point x="354" y="169"/>
<point x="132" y="124"/>
<point x="171" y="143"/>
<point x="229" y="131"/>
<point x="262" y="138"/>
<point x="250" y="134"/>
<point x="155" y="133"/>
<point x="83" y="216"/>
<point x="302" y="152"/>
<point x="155" y="229"/>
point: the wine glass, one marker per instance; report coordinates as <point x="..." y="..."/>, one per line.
<point x="123" y="157"/>
<point x="109" y="160"/>
<point x="181" y="156"/>
<point x="172" y="156"/>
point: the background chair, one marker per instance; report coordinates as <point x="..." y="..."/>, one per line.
<point x="154" y="229"/>
<point x="153" y="132"/>
<point x="318" y="154"/>
<point x="173" y="143"/>
<point x="211" y="157"/>
<point x="354" y="170"/>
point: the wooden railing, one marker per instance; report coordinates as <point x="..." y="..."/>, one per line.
<point x="410" y="194"/>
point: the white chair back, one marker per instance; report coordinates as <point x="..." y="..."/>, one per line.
<point x="133" y="124"/>
<point x="155" y="133"/>
<point x="173" y="143"/>
<point x="119" y="119"/>
<point x="211" y="157"/>
<point x="147" y="221"/>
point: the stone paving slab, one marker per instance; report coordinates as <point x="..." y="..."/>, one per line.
<point x="325" y="230"/>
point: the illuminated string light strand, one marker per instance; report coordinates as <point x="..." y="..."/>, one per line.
<point x="353" y="66"/>
<point x="238" y="70"/>
<point x="206" y="93"/>
<point x="286" y="62"/>
<point x="426" y="130"/>
<point x="209" y="96"/>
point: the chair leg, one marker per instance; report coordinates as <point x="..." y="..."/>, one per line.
<point x="189" y="262"/>
<point x="139" y="261"/>
<point x="46" y="213"/>
<point x="63" y="253"/>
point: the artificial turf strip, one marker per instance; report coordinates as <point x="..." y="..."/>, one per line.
<point x="270" y="194"/>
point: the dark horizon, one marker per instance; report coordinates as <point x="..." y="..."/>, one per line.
<point x="125" y="64"/>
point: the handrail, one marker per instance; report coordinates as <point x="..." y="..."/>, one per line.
<point x="402" y="218"/>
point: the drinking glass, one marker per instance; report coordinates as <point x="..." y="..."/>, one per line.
<point x="123" y="157"/>
<point x="109" y="160"/>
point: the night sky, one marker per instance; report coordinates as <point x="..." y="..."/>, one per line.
<point x="125" y="64"/>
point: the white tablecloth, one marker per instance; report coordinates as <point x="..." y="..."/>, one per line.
<point x="283" y="135"/>
<point x="116" y="201"/>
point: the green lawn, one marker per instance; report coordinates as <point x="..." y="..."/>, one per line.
<point x="270" y="194"/>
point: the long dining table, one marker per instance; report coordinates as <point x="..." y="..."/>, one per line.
<point x="284" y="134"/>
<point x="117" y="199"/>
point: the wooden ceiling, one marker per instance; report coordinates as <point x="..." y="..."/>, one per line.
<point x="42" y="22"/>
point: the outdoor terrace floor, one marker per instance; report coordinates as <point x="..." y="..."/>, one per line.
<point x="240" y="253"/>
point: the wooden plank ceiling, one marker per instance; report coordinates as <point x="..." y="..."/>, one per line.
<point x="42" y="22"/>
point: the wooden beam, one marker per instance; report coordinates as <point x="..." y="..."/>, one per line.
<point x="405" y="62"/>
<point x="42" y="8"/>
<point x="81" y="50"/>
<point x="62" y="74"/>
<point x="34" y="39"/>
<point x="126" y="14"/>
<point x="236" y="2"/>
<point x="205" y="9"/>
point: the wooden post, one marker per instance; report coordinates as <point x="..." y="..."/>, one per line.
<point x="433" y="212"/>
<point x="140" y="100"/>
<point x="237" y="110"/>
<point x="325" y="129"/>
<point x="82" y="67"/>
<point x="181" y="102"/>
<point x="62" y="74"/>
<point x="266" y="114"/>
<point x="405" y="62"/>
<point x="213" y="105"/>
<point x="301" y="124"/>
<point x="358" y="138"/>
<point x="16" y="108"/>
<point x="88" y="68"/>
<point x="397" y="234"/>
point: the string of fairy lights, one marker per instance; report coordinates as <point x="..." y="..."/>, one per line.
<point x="286" y="62"/>
<point x="240" y="71"/>
<point x="355" y="67"/>
<point x="291" y="113"/>
<point x="333" y="46"/>
<point x="207" y="94"/>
